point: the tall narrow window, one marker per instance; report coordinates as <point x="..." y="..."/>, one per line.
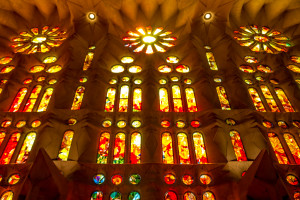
<point x="110" y="100"/>
<point x="191" y="101"/>
<point x="26" y="148"/>
<point x="269" y="98"/>
<point x="2" y="136"/>
<point x="259" y="106"/>
<point x="18" y="100"/>
<point x="284" y="100"/>
<point x="45" y="100"/>
<point x="137" y="100"/>
<point x="65" y="145"/>
<point x="278" y="149"/>
<point x="200" y="151"/>
<point x="223" y="98"/>
<point x="211" y="61"/>
<point x="183" y="148"/>
<point x="88" y="61"/>
<point x="32" y="98"/>
<point x="167" y="148"/>
<point x="177" y="98"/>
<point x="135" y="148"/>
<point x="293" y="146"/>
<point x="78" y="98"/>
<point x="119" y="150"/>
<point x="103" y="148"/>
<point x="123" y="104"/>
<point x="238" y="146"/>
<point x="10" y="148"/>
<point x="163" y="100"/>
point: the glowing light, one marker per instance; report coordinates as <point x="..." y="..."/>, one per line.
<point x="36" y="123"/>
<point x="7" y="69"/>
<point x="127" y="59"/>
<point x="10" y="148"/>
<point x="7" y="195"/>
<point x="165" y="124"/>
<point x="135" y="69"/>
<point x="26" y="148"/>
<point x="238" y="146"/>
<point x="121" y="124"/>
<point x="88" y="61"/>
<point x="167" y="148"/>
<point x="189" y="196"/>
<point x="164" y="100"/>
<point x="191" y="101"/>
<point x="19" y="124"/>
<point x="292" y="179"/>
<point x="110" y="100"/>
<point x="135" y="179"/>
<point x="207" y="16"/>
<point x="36" y="69"/>
<point x="53" y="69"/>
<point x="6" y="123"/>
<point x="195" y="124"/>
<point x="177" y="99"/>
<point x="205" y="179"/>
<point x="32" y="98"/>
<point x="92" y="16"/>
<point x="256" y="100"/>
<point x="136" y="124"/>
<point x="119" y="149"/>
<point x="284" y="100"/>
<point x="172" y="59"/>
<point x="38" y="39"/>
<point x="169" y="179"/>
<point x="5" y="60"/>
<point x="164" y="69"/>
<point x="149" y="39"/>
<point x="106" y="123"/>
<point x="183" y="147"/>
<point x="49" y="59"/>
<point x="65" y="145"/>
<point x="200" y="150"/>
<point x="269" y="98"/>
<point x="170" y="195"/>
<point x="103" y="148"/>
<point x="187" y="180"/>
<point x="115" y="196"/>
<point x="223" y="98"/>
<point x="230" y="122"/>
<point x="78" y="98"/>
<point x="208" y="196"/>
<point x="293" y="146"/>
<point x="135" y="148"/>
<point x="97" y="195"/>
<point x="247" y="69"/>
<point x="18" y="100"/>
<point x="72" y="121"/>
<point x="278" y="149"/>
<point x="124" y="94"/>
<point x="116" y="179"/>
<point x="117" y="69"/>
<point x="134" y="196"/>
<point x="45" y="100"/>
<point x="99" y="179"/>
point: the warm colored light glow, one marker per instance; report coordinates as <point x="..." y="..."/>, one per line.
<point x="127" y="59"/>
<point x="167" y="148"/>
<point x="190" y="99"/>
<point x="78" y="98"/>
<point x="207" y="16"/>
<point x="237" y="146"/>
<point x="92" y="16"/>
<point x="124" y="94"/>
<point x="119" y="149"/>
<point x="163" y="100"/>
<point x="200" y="150"/>
<point x="183" y="148"/>
<point x="211" y="61"/>
<point x="135" y="148"/>
<point x="177" y="99"/>
<point x="284" y="100"/>
<point x="45" y="100"/>
<point x="110" y="100"/>
<point x="49" y="59"/>
<point x="259" y="106"/>
<point x="293" y="146"/>
<point x="149" y="39"/>
<point x="26" y="148"/>
<point x="65" y="145"/>
<point x="269" y="98"/>
<point x="10" y="148"/>
<point x="278" y="149"/>
<point x="32" y="98"/>
<point x="223" y="98"/>
<point x="88" y="61"/>
<point x="18" y="100"/>
<point x="137" y="100"/>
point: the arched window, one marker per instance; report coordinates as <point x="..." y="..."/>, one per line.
<point x="110" y="100"/>
<point x="88" y="61"/>
<point x="26" y="147"/>
<point x="18" y="100"/>
<point x="177" y="99"/>
<point x="208" y="196"/>
<point x="293" y="146"/>
<point x="190" y="99"/>
<point x="10" y="148"/>
<point x="135" y="148"/>
<point x="65" y="145"/>
<point x="238" y="146"/>
<point x="167" y="148"/>
<point x="211" y="61"/>
<point x="119" y="149"/>
<point x="2" y="136"/>
<point x="137" y="100"/>
<point x="259" y="106"/>
<point x="223" y="98"/>
<point x="200" y="151"/>
<point x="45" y="100"/>
<point x="189" y="196"/>
<point x="124" y="94"/>
<point x="7" y="195"/>
<point x="163" y="100"/>
<point x="183" y="148"/>
<point x="269" y="98"/>
<point x="284" y="100"/>
<point x="32" y="98"/>
<point x="97" y="195"/>
<point x="78" y="98"/>
<point x="103" y="148"/>
<point x="278" y="149"/>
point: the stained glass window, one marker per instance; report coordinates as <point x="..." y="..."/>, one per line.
<point x="65" y="145"/>
<point x="26" y="147"/>
<point x="293" y="146"/>
<point x="211" y="61"/>
<point x="135" y="148"/>
<point x="7" y="195"/>
<point x="18" y="100"/>
<point x="78" y="98"/>
<point x="119" y="149"/>
<point x="32" y="98"/>
<point x="134" y="196"/>
<point x="45" y="100"/>
<point x="167" y="148"/>
<point x="97" y="195"/>
<point x="177" y="99"/>
<point x="269" y="98"/>
<point x="278" y="149"/>
<point x="123" y="104"/>
<point x="103" y="148"/>
<point x="110" y="100"/>
<point x="191" y="101"/>
<point x="10" y="148"/>
<point x="2" y="136"/>
<point x="238" y="146"/>
<point x="187" y="179"/>
<point x="284" y="100"/>
<point x="200" y="151"/>
<point x="163" y="100"/>
<point x="88" y="61"/>
<point x="183" y="148"/>
<point x="256" y="100"/>
<point x="223" y="98"/>
<point x="137" y="100"/>
<point x="189" y="196"/>
<point x="170" y="195"/>
<point x="208" y="196"/>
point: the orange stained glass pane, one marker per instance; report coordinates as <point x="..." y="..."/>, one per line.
<point x="183" y="148"/>
<point x="208" y="196"/>
<point x="103" y="148"/>
<point x="18" y="100"/>
<point x="8" y="195"/>
<point x="278" y="149"/>
<point x="269" y="98"/>
<point x="177" y="99"/>
<point x="135" y="148"/>
<point x="284" y="100"/>
<point x="5" y="60"/>
<point x="223" y="98"/>
<point x="26" y="148"/>
<point x="167" y="148"/>
<point x="53" y="69"/>
<point x="65" y="145"/>
<point x="123" y="104"/>
<point x="259" y="106"/>
<point x="119" y="149"/>
<point x="10" y="148"/>
<point x="189" y="196"/>
<point x="88" y="61"/>
<point x="78" y="98"/>
<point x="32" y="98"/>
<point x="211" y="61"/>
<point x="200" y="151"/>
<point x="45" y="100"/>
<point x="238" y="146"/>
<point x="191" y="101"/>
<point x="137" y="100"/>
<point x="163" y="100"/>
<point x="7" y="69"/>
<point x="2" y="136"/>
<point x="293" y="146"/>
<point x="110" y="100"/>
